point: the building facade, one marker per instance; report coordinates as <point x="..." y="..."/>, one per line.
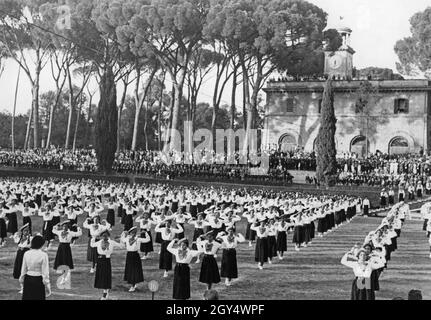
<point x="397" y="119"/>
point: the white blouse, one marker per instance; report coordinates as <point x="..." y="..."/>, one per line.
<point x="135" y="245"/>
<point x="68" y="236"/>
<point x="359" y="270"/>
<point x="187" y="258"/>
<point x="35" y="263"/>
<point x="108" y="250"/>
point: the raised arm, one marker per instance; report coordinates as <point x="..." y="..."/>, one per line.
<point x="346" y="263"/>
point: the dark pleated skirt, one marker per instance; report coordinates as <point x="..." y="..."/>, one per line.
<point x="383" y="201"/>
<point x="250" y="234"/>
<point x="424" y="227"/>
<point x="193" y="210"/>
<point x="196" y="234"/>
<point x="63" y="256"/>
<point x="55" y="220"/>
<point x="229" y="268"/>
<point x="366" y="210"/>
<point x="103" y="278"/>
<point x="282" y="241"/>
<point x="147" y="247"/>
<point x="261" y="251"/>
<point x="181" y="234"/>
<point x="128" y="222"/>
<point x="18" y="262"/>
<point x="159" y="237"/>
<point x="3" y="229"/>
<point x="47" y="230"/>
<point x="361" y="294"/>
<point x="26" y="220"/>
<point x="209" y="270"/>
<point x="400" y="197"/>
<point x="321" y="225"/>
<point x="375" y="286"/>
<point x="165" y="258"/>
<point x="91" y="253"/>
<point x="298" y="235"/>
<point x="34" y="289"/>
<point x="419" y="193"/>
<point x="110" y="217"/>
<point x="272" y="246"/>
<point x="181" y="290"/>
<point x="133" y="273"/>
<point x="120" y="211"/>
<point x="12" y="226"/>
<point x="391" y="200"/>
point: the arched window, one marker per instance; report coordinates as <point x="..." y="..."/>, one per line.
<point x="359" y="146"/>
<point x="399" y="145"/>
<point x="287" y="143"/>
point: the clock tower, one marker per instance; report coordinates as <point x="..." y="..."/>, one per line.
<point x="340" y="62"/>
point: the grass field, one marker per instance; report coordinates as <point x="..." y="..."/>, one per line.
<point x="314" y="273"/>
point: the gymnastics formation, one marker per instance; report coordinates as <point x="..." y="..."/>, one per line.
<point x="370" y="259"/>
<point x="155" y="216"/>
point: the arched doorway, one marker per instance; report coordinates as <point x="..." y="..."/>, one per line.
<point x="359" y="146"/>
<point x="287" y="143"/>
<point x="399" y="145"/>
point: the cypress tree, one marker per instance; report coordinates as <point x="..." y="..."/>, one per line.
<point x="325" y="144"/>
<point x="106" y="123"/>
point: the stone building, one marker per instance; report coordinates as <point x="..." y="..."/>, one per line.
<point x="397" y="119"/>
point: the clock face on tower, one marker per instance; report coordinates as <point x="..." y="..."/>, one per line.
<point x="335" y="62"/>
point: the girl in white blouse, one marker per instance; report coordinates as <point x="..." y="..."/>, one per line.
<point x="35" y="272"/>
<point x="167" y="233"/>
<point x="361" y="288"/>
<point x="64" y="252"/>
<point x="209" y="270"/>
<point x="183" y="257"/>
<point x="133" y="273"/>
<point x="27" y="212"/>
<point x="23" y="239"/>
<point x="261" y="251"/>
<point x="48" y="214"/>
<point x="105" y="247"/>
<point x="229" y="241"/>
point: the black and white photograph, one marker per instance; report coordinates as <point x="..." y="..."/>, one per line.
<point x="248" y="151"/>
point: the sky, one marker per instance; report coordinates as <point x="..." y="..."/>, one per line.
<point x="376" y="25"/>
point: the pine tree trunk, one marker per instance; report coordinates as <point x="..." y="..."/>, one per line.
<point x="71" y="107"/>
<point x="14" y="111"/>
<point x="27" y="133"/>
<point x="233" y="100"/>
<point x="106" y="124"/>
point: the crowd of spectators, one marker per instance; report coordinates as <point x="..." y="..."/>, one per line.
<point x="375" y="170"/>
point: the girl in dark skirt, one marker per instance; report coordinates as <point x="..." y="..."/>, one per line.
<point x="34" y="286"/>
<point x="401" y="194"/>
<point x="180" y="219"/>
<point x="110" y="217"/>
<point x="23" y="238"/>
<point x="419" y="190"/>
<point x="366" y="207"/>
<point x="48" y="215"/>
<point x="281" y="228"/>
<point x="11" y="215"/>
<point x="272" y="241"/>
<point x="361" y="286"/>
<point x="209" y="269"/>
<point x="391" y="196"/>
<point x="250" y="234"/>
<point x="145" y="227"/>
<point x="105" y="247"/>
<point x="298" y="232"/>
<point x="133" y="273"/>
<point x="199" y="226"/>
<point x="229" y="242"/>
<point x="27" y="212"/>
<point x="94" y="229"/>
<point x="167" y="233"/>
<point x="64" y="252"/>
<point x="261" y="251"/>
<point x="183" y="256"/>
<point x="129" y="212"/>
